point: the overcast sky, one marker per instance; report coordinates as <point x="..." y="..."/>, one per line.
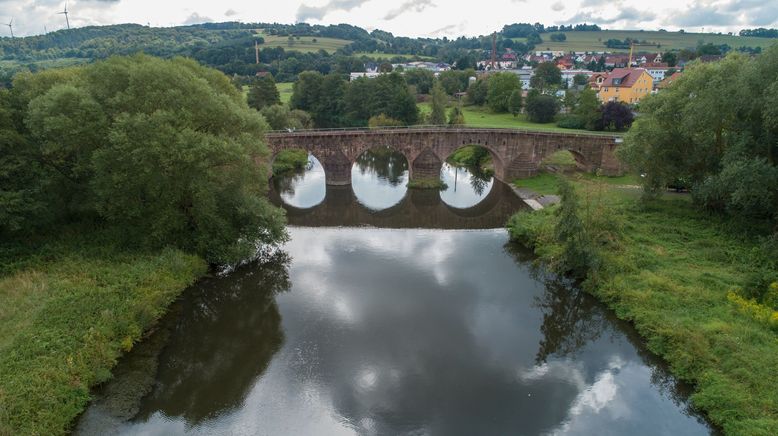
<point x="401" y="17"/>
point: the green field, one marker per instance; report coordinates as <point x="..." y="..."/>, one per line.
<point x="305" y="44"/>
<point x="285" y="89"/>
<point x="387" y="56"/>
<point x="595" y="41"/>
<point x="476" y="116"/>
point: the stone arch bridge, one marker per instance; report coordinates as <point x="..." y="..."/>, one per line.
<point x="515" y="153"/>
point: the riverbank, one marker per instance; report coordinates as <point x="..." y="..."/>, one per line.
<point x="669" y="271"/>
<point x="71" y="305"/>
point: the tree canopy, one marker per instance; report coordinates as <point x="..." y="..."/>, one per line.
<point x="716" y="128"/>
<point x="500" y="88"/>
<point x="164" y="151"/>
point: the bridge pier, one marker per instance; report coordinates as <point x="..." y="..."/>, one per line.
<point x="337" y="168"/>
<point x="426" y="166"/>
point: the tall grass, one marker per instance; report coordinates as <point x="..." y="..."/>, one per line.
<point x="70" y="307"/>
<point x="671" y="271"/>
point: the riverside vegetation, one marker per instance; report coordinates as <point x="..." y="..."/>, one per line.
<point x="697" y="274"/>
<point x="120" y="182"/>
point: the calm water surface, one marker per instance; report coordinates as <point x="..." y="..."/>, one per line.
<point x="395" y="330"/>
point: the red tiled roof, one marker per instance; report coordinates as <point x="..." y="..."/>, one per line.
<point x="669" y="80"/>
<point x="628" y="77"/>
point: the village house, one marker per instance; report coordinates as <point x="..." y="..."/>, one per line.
<point x="664" y="84"/>
<point x="616" y="61"/>
<point x="657" y="71"/>
<point x="627" y="85"/>
<point x="596" y="80"/>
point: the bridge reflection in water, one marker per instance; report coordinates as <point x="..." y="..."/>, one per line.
<point x="420" y="208"/>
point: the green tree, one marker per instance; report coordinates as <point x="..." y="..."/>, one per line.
<point x="580" y="80"/>
<point x="421" y="79"/>
<point x="306" y="91"/>
<point x="501" y="86"/>
<point x="547" y="75"/>
<point x="456" y="117"/>
<point x="514" y="102"/>
<point x="721" y="140"/>
<point x="439" y="99"/>
<point x="541" y="108"/>
<point x="588" y="108"/>
<point x="263" y="92"/>
<point x="477" y="92"/>
<point x="578" y="257"/>
<point x="166" y="152"/>
<point x="280" y="117"/>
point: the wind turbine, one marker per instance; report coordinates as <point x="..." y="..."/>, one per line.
<point x="11" y="27"/>
<point x="66" y="15"/>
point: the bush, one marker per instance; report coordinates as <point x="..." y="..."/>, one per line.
<point x="383" y="120"/>
<point x="615" y="116"/>
<point x="541" y="108"/>
<point x="571" y="122"/>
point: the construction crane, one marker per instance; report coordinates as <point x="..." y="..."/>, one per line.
<point x="632" y="45"/>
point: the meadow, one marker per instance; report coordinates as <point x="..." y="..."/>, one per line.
<point x="304" y="44"/>
<point x="661" y="41"/>
<point x="476" y="116"/>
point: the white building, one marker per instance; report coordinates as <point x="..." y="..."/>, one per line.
<point x="525" y="75"/>
<point x="657" y="73"/>
<point x="369" y="75"/>
<point x="435" y="67"/>
<point x="568" y="75"/>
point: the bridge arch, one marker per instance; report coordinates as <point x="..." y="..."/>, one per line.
<point x="302" y="190"/>
<point x="383" y="174"/>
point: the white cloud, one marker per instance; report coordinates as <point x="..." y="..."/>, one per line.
<point x="30" y="16"/>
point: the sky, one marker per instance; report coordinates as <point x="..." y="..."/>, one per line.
<point x="433" y="18"/>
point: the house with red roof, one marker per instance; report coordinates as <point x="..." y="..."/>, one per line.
<point x="627" y="85"/>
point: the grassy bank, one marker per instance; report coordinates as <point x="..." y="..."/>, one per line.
<point x="70" y="307"/>
<point x="670" y="271"/>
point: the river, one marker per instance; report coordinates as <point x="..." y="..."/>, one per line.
<point x="391" y="312"/>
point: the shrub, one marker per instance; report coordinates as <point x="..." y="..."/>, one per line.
<point x="383" y="120"/>
<point x="571" y="122"/>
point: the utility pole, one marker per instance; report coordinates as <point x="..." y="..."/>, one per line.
<point x="256" y="50"/>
